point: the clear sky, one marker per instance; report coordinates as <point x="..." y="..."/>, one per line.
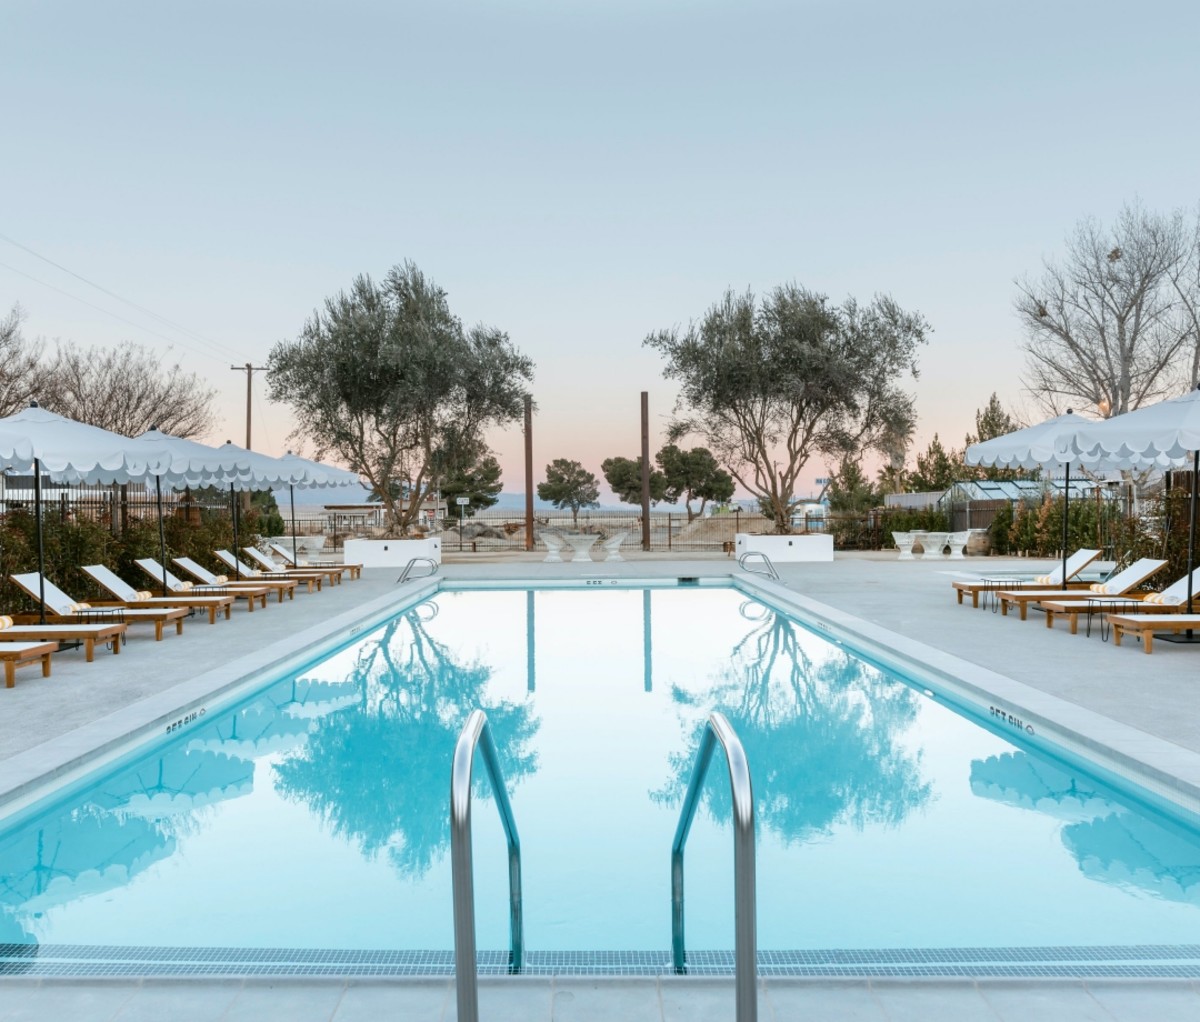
<point x="577" y="173"/>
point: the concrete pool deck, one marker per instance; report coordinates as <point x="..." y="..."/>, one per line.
<point x="48" y="721"/>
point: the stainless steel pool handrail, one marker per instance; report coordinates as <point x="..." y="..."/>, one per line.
<point x="477" y="733"/>
<point x="411" y="564"/>
<point x="745" y="929"/>
<point x="770" y="572"/>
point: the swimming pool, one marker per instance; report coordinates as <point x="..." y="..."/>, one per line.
<point x="313" y="815"/>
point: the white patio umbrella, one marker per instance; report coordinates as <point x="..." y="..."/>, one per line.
<point x="195" y="464"/>
<point x="1162" y="435"/>
<point x="264" y="473"/>
<point x="313" y="475"/>
<point x="75" y="452"/>
<point x="1036" y="447"/>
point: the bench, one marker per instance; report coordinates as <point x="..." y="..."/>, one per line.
<point x="1147" y="624"/>
<point x="15" y="654"/>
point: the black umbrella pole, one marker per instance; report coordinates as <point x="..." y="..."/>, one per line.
<point x="1192" y="530"/>
<point x="162" y="536"/>
<point x="41" y="547"/>
<point x="1066" y="508"/>
<point x="237" y="571"/>
<point x="292" y="498"/>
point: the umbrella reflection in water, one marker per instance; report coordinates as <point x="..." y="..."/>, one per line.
<point x="1018" y="779"/>
<point x="257" y="730"/>
<point x="76" y="855"/>
<point x="177" y="782"/>
<point x="1132" y="850"/>
<point x="311" y="697"/>
<point x="1110" y="843"/>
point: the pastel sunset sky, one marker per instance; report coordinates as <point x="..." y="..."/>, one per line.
<point x="577" y="173"/>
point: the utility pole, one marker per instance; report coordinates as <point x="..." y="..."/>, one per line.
<point x="249" y="369"/>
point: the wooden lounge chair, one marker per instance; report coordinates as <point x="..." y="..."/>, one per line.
<point x="123" y="592"/>
<point x="990" y="584"/>
<point x="251" y="594"/>
<point x="331" y="572"/>
<point x="243" y="570"/>
<point x="1170" y="601"/>
<point x="63" y="608"/>
<point x="1146" y="625"/>
<point x="286" y="555"/>
<point x="14" y="654"/>
<point x="87" y="635"/>
<point x="1123" y="582"/>
<point x="281" y="586"/>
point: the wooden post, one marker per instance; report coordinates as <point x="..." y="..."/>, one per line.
<point x="645" y="470"/>
<point x="528" y="472"/>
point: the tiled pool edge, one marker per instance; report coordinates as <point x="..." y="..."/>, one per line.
<point x="1167" y="771"/>
<point x="67" y="962"/>
<point x="81" y="750"/>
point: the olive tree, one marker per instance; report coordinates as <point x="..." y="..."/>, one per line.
<point x="769" y="384"/>
<point x="386" y="378"/>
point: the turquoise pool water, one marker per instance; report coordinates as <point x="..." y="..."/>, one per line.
<point x="315" y="813"/>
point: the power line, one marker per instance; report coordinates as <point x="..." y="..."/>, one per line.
<point x="83" y="301"/>
<point x="112" y="294"/>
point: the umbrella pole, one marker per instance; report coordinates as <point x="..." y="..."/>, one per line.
<point x="237" y="572"/>
<point x="1166" y="513"/>
<point x="292" y="498"/>
<point x="1066" y="508"/>
<point x="162" y="536"/>
<point x="41" y="549"/>
<point x="1192" y="531"/>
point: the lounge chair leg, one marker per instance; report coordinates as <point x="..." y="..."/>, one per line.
<point x="179" y="626"/>
<point x="1049" y="618"/>
<point x="10" y="674"/>
<point x="1074" y="624"/>
<point x="45" y="665"/>
<point x="158" y="631"/>
<point x="89" y="649"/>
<point x="1147" y="638"/>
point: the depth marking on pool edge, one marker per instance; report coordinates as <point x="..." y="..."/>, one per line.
<point x="185" y="720"/>
<point x="1011" y="719"/>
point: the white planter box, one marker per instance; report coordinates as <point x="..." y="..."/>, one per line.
<point x="391" y="553"/>
<point x="787" y="548"/>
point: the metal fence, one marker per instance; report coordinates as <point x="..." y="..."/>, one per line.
<point x="494" y="530"/>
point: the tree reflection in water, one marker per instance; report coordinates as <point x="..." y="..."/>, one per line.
<point x="823" y="739"/>
<point x="379" y="773"/>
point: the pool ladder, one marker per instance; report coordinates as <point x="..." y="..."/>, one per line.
<point x="477" y="733"/>
<point x="407" y="572"/>
<point x="770" y="568"/>
<point x="717" y="729"/>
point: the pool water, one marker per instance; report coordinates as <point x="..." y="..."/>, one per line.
<point x="315" y="814"/>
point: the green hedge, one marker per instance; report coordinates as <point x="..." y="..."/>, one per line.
<point x="71" y="541"/>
